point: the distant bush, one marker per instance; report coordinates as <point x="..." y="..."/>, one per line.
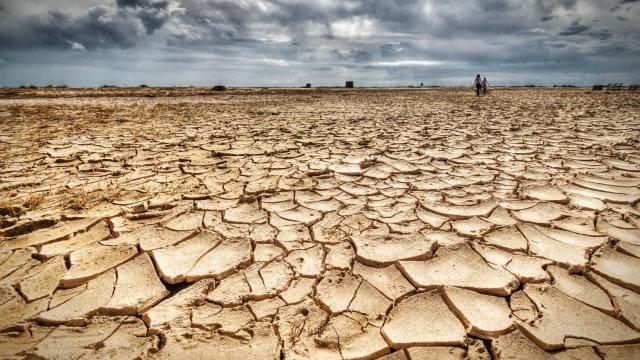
<point x="143" y="86"/>
<point x="532" y="86"/>
<point x="219" y="88"/>
<point x="32" y="87"/>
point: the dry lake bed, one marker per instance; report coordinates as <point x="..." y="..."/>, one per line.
<point x="319" y="224"/>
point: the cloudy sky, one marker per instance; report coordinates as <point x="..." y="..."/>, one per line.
<point x="325" y="42"/>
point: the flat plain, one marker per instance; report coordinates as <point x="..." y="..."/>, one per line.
<point x="319" y="224"/>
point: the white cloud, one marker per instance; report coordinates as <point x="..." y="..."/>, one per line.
<point x="409" y="63"/>
<point x="76" y="45"/>
<point x="357" y="26"/>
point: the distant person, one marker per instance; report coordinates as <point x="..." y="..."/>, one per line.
<point x="478" y="84"/>
<point x="484" y="86"/>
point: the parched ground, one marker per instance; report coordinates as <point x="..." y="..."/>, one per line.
<point x="319" y="224"/>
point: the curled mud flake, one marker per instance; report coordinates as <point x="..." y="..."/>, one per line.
<point x="582" y="226"/>
<point x="586" y="202"/>
<point x="459" y="212"/>
<point x="432" y="219"/>
<point x="59" y="231"/>
<point x="97" y="232"/>
<point x="509" y="238"/>
<point x="386" y="249"/>
<point x="527" y="269"/>
<point x="617" y="267"/>
<point x="264" y="185"/>
<point x="483" y="315"/>
<point x="222" y="260"/>
<point x="545" y="193"/>
<point x="500" y="217"/>
<point x="245" y="213"/>
<point x="474" y="227"/>
<point x="90" y="261"/>
<point x="552" y="249"/>
<point x="626" y="302"/>
<point x="629" y="235"/>
<point x="301" y="215"/>
<point x="542" y="213"/>
<point x="177" y="308"/>
<point x="153" y="237"/>
<point x="423" y="320"/>
<point x="563" y="317"/>
<point x="77" y="310"/>
<point x="186" y="222"/>
<point x="231" y="291"/>
<point x="137" y="288"/>
<point x="42" y="280"/>
<point x="388" y="280"/>
<point x="174" y="262"/>
<point x="581" y="289"/>
<point x="602" y="195"/>
<point x="460" y="267"/>
<point x="445" y="238"/>
<point x="572" y="238"/>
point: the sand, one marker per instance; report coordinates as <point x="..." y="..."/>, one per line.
<point x="319" y="224"/>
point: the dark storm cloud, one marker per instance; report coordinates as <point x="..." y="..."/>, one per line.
<point x="379" y="39"/>
<point x="601" y="34"/>
<point x="101" y="26"/>
<point x="574" y="29"/>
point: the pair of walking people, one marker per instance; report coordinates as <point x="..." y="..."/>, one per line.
<point x="480" y="84"/>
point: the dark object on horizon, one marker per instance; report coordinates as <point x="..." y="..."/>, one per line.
<point x="421" y="84"/>
<point x="564" y="86"/>
<point x="598" y="87"/>
<point x="143" y="86"/>
<point x="532" y="86"/>
<point x="307" y="86"/>
<point x="349" y="84"/>
<point x="634" y="87"/>
<point x="219" y="88"/>
<point x="32" y="87"/>
<point x="614" y="86"/>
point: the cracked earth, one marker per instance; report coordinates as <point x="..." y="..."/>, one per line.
<point x="323" y="224"/>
